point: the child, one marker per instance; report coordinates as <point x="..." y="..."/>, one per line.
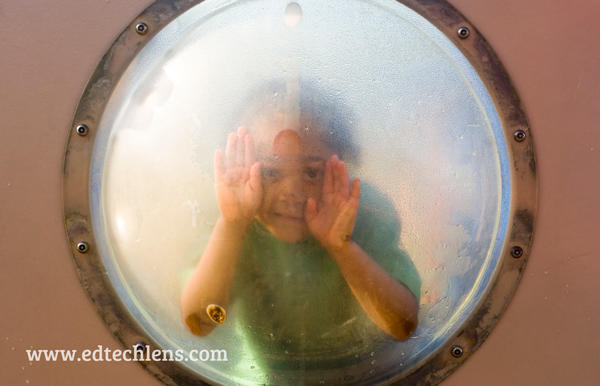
<point x="283" y="251"/>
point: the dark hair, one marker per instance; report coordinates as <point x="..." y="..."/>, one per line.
<point x="322" y="113"/>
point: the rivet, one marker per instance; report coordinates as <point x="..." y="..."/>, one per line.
<point x="463" y="32"/>
<point x="82" y="247"/>
<point x="516" y="251"/>
<point x="520" y="135"/>
<point x="141" y="28"/>
<point x="456" y="351"/>
<point x="82" y="130"/>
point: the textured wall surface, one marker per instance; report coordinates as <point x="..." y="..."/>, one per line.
<point x="548" y="334"/>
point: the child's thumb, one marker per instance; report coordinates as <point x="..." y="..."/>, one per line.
<point x="310" y="211"/>
<point x="255" y="184"/>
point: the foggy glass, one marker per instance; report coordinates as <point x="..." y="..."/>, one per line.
<point x="422" y="135"/>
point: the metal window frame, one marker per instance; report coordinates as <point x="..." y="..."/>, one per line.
<point x="515" y="251"/>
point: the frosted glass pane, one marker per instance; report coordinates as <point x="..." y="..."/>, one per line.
<point x="385" y="91"/>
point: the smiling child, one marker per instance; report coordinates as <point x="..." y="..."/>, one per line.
<point x="302" y="283"/>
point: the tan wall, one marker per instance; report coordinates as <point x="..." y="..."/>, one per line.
<point x="547" y="336"/>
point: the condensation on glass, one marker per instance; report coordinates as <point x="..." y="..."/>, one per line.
<point x="422" y="133"/>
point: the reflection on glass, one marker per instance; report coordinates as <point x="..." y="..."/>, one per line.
<point x="284" y="242"/>
<point x="396" y="106"/>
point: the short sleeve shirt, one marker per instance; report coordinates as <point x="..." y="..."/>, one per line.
<point x="291" y="303"/>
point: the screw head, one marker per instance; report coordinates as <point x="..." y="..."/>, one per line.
<point x="141" y="28"/>
<point x="516" y="251"/>
<point x="83" y="247"/>
<point x="520" y="135"/>
<point x="82" y="130"/>
<point x="456" y="351"/>
<point x="463" y="32"/>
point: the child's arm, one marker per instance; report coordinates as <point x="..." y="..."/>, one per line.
<point x="239" y="192"/>
<point x="388" y="303"/>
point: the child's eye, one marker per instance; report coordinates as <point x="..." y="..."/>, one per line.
<point x="269" y="173"/>
<point x="312" y="173"/>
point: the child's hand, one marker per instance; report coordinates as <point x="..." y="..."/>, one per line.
<point x="333" y="221"/>
<point x="237" y="179"/>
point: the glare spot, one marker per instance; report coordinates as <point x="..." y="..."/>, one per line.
<point x="293" y="14"/>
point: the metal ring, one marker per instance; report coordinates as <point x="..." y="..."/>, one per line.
<point x="443" y="16"/>
<point x="141" y="28"/>
<point x="456" y="351"/>
<point x="82" y="130"/>
<point x="463" y="32"/>
<point x="82" y="247"/>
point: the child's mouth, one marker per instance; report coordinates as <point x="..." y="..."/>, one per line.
<point x="289" y="217"/>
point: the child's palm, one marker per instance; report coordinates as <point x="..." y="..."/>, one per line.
<point x="333" y="221"/>
<point x="237" y="179"/>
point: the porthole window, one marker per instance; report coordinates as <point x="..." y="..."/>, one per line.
<point x="305" y="192"/>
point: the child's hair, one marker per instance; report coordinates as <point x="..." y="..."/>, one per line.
<point x="316" y="112"/>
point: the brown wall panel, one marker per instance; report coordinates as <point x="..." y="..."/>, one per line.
<point x="548" y="334"/>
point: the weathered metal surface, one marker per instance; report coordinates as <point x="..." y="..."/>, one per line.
<point x="523" y="196"/>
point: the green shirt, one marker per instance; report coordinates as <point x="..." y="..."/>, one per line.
<point x="292" y="305"/>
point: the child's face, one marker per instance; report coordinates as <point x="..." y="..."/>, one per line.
<point x="292" y="172"/>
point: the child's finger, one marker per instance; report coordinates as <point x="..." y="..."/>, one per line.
<point x="335" y="173"/>
<point x="310" y="211"/>
<point x="355" y="189"/>
<point x="219" y="166"/>
<point x="249" y="143"/>
<point x="344" y="180"/>
<point x="328" y="178"/>
<point x="230" y="150"/>
<point x="255" y="183"/>
<point x="239" y="156"/>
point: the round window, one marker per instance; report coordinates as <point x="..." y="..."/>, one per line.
<point x="267" y="192"/>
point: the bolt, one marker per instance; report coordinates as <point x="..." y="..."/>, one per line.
<point x="141" y="28"/>
<point x="520" y="135"/>
<point x="516" y="251"/>
<point x="82" y="130"/>
<point x="456" y="351"/>
<point x="463" y="32"/>
<point x="83" y="247"/>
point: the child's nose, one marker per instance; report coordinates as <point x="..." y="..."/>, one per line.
<point x="292" y="191"/>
